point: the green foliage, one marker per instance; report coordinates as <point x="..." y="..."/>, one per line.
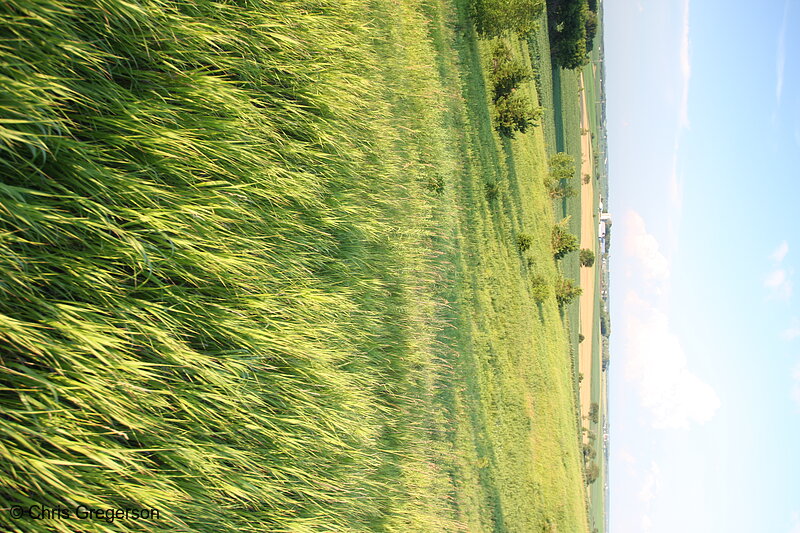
<point x="540" y="288"/>
<point x="562" y="241"/>
<point x="591" y="29"/>
<point x="605" y="323"/>
<point x="220" y="293"/>
<point x="562" y="166"/>
<point x="592" y="473"/>
<point x="581" y="337"/>
<point x="514" y="113"/>
<point x="566" y="291"/>
<point x="202" y="257"/>
<point x="491" y="191"/>
<point x="507" y="71"/>
<point x="495" y="17"/>
<point x="587" y="257"/>
<point x="572" y="27"/>
<point x="594" y="412"/>
<point x="562" y="170"/>
<point x="524" y="241"/>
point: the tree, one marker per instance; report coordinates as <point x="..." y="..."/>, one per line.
<point x="561" y="166"/>
<point x="563" y="242"/>
<point x="507" y="71"/>
<point x="561" y="171"/>
<point x="559" y="189"/>
<point x="592" y="473"/>
<point x="540" y="289"/>
<point x="514" y="113"/>
<point x="594" y="412"/>
<point x="492" y="18"/>
<point x="571" y="30"/>
<point x="566" y="291"/>
<point x="587" y="257"/>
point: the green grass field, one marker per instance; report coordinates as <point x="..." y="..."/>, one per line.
<point x="252" y="278"/>
<point x="560" y="89"/>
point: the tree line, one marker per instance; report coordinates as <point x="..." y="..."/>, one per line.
<point x="572" y="26"/>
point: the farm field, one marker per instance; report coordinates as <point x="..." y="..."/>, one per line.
<point x="261" y="272"/>
<point x="574" y="126"/>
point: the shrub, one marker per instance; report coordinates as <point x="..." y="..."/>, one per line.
<point x="592" y="473"/>
<point x="566" y="291"/>
<point x="561" y="170"/>
<point x="524" y="241"/>
<point x="581" y="337"/>
<point x="492" y="191"/>
<point x="559" y="189"/>
<point x="539" y="288"/>
<point x="587" y="257"/>
<point x="507" y="71"/>
<point x="514" y="113"/>
<point x="561" y="166"/>
<point x="494" y="17"/>
<point x="594" y="412"/>
<point x="563" y="241"/>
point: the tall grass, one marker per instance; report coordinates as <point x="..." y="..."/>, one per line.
<point x="211" y="303"/>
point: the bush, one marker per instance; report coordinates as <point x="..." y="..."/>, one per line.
<point x="492" y="191"/>
<point x="581" y="337"/>
<point x="494" y="17"/>
<point x="561" y="166"/>
<point x="566" y="291"/>
<point x="594" y="412"/>
<point x="571" y="29"/>
<point x="540" y="289"/>
<point x="524" y="241"/>
<point x="561" y="171"/>
<point x="592" y="473"/>
<point x="605" y="324"/>
<point x="507" y="71"/>
<point x="559" y="189"/>
<point x="587" y="257"/>
<point x="514" y="113"/>
<point x="563" y="241"/>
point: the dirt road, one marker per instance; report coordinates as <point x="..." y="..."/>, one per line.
<point x="587" y="275"/>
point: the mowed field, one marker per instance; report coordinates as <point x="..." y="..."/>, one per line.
<point x="253" y="277"/>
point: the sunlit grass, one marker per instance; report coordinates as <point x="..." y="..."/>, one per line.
<point x="241" y="273"/>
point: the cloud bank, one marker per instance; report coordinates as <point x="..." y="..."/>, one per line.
<point x="655" y="358"/>
<point x="656" y="361"/>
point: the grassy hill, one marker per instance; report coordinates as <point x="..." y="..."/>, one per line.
<point x="252" y="277"/>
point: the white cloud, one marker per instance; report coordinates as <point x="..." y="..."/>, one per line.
<point x="779" y="284"/>
<point x="780" y="252"/>
<point x="793" y="331"/>
<point x="686" y="67"/>
<point x="795" y="523"/>
<point x="657" y="363"/>
<point x="780" y="56"/>
<point x="647" y="524"/>
<point x="652" y="482"/>
<point x="644" y="248"/>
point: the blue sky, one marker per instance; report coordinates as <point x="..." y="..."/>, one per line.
<point x="703" y="106"/>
